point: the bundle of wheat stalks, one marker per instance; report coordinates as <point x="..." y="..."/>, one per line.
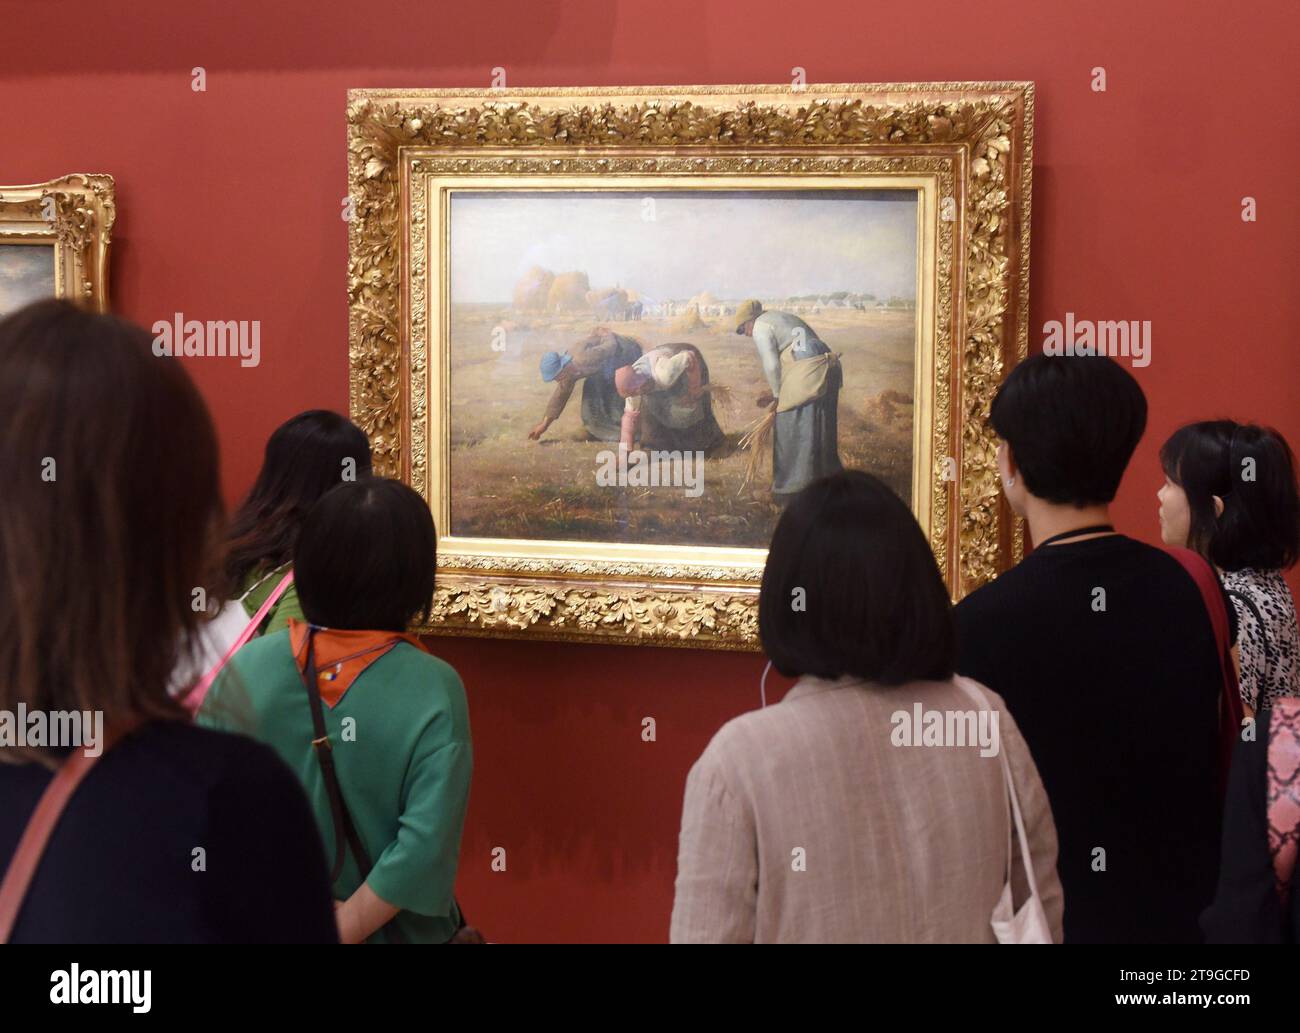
<point x="754" y="440"/>
<point x="722" y="397"/>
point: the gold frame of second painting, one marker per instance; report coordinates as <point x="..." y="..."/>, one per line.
<point x="408" y="154"/>
<point x="74" y="216"/>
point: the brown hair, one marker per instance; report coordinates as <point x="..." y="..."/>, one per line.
<point x="111" y="504"/>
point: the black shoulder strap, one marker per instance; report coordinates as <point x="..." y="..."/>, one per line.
<point x="343" y="827"/>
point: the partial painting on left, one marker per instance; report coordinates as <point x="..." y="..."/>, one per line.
<point x="54" y="241"/>
<point x="26" y="275"/>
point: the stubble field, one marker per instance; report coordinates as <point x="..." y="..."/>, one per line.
<point x="507" y="486"/>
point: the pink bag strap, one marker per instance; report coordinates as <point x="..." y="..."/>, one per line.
<point x="195" y="697"/>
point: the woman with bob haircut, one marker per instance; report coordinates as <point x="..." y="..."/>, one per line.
<point x="375" y="727"/>
<point x="830" y="817"/>
<point x="1230" y="494"/>
<point x="110" y="515"/>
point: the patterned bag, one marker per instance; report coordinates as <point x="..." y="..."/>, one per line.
<point x="1283" y="788"/>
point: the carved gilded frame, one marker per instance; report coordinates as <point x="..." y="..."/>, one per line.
<point x="966" y="148"/>
<point x="75" y="216"/>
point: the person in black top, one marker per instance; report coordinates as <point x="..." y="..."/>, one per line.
<point x="1103" y="650"/>
<point x="111" y="505"/>
<point x="121" y="865"/>
<point x="1257" y="899"/>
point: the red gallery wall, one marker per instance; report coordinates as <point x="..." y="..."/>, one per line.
<point x="229" y="209"/>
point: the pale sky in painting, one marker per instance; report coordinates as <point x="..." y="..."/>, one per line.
<point x="26" y="274"/>
<point x="734" y="245"/>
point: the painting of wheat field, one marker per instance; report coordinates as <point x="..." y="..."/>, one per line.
<point x="630" y="367"/>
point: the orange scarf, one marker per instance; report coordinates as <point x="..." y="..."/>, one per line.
<point x="342" y="656"/>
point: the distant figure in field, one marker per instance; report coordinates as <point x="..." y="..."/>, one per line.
<point x="597" y="359"/>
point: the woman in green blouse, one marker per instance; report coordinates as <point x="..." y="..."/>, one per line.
<point x="395" y="717"/>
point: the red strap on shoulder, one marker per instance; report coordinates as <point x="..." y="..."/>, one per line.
<point x="1231" y="711"/>
<point x="49" y="808"/>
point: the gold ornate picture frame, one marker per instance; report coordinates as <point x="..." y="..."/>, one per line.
<point x="72" y="217"/>
<point x="964" y="149"/>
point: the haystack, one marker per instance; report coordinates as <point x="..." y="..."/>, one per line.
<point x="533" y="288"/>
<point x="886" y="408"/>
<point x="689" y="321"/>
<point x="568" y="292"/>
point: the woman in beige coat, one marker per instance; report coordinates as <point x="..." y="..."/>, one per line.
<point x="869" y="805"/>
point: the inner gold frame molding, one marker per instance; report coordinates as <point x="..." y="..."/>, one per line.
<point x="75" y="215"/>
<point x="966" y="147"/>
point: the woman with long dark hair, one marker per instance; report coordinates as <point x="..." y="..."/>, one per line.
<point x="1230" y="494"/>
<point x="149" y="829"/>
<point x="305" y="458"/>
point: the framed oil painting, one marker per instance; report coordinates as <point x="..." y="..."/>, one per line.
<point x="607" y="334"/>
<point x="54" y="241"/>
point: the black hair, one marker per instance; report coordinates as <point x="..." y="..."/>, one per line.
<point x="366" y="556"/>
<point x="305" y="458"/>
<point x="1252" y="470"/>
<point x="1072" y="423"/>
<point x="851" y="588"/>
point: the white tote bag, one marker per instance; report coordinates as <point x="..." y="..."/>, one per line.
<point x="1029" y="924"/>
